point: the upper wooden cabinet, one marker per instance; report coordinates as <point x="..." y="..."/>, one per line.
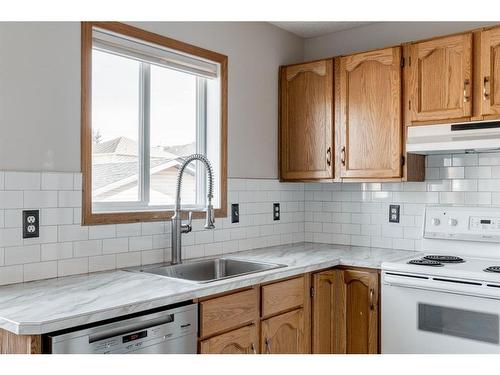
<point x="439" y="79"/>
<point x="370" y="114"/>
<point x="306" y="125"/>
<point x="490" y="72"/>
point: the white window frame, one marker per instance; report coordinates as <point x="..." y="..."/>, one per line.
<point x="144" y="150"/>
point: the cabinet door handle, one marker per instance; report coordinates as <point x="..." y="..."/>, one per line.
<point x="486" y="94"/>
<point x="268" y="345"/>
<point x="466" y="97"/>
<point x="372" y="303"/>
<point x="342" y="155"/>
<point x="329" y="156"/>
<point x="252" y="346"/>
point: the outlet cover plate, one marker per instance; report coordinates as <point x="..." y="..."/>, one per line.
<point x="394" y="213"/>
<point x="31" y="223"/>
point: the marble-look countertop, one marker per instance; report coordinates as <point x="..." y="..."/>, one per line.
<point x="49" y="305"/>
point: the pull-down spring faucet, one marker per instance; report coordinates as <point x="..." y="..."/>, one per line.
<point x="177" y="227"/>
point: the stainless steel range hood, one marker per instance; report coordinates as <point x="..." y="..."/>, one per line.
<point x="481" y="136"/>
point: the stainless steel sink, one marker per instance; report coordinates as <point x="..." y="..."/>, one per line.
<point x="209" y="270"/>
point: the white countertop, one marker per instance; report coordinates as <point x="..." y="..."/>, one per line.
<point x="48" y="305"/>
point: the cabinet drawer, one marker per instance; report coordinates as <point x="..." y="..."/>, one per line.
<point x="283" y="295"/>
<point x="226" y="312"/>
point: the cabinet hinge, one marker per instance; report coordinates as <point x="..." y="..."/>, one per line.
<point x="409" y="60"/>
<point x="402" y="160"/>
<point x="313" y="292"/>
<point x="409" y="104"/>
<point x="402" y="62"/>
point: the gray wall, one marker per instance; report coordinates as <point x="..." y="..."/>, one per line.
<point x="40" y="91"/>
<point x="379" y="35"/>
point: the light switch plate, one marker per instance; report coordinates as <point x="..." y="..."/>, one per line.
<point x="276" y="211"/>
<point x="235" y="213"/>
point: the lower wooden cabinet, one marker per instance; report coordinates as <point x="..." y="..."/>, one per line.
<point x="285" y="334"/>
<point x="280" y="317"/>
<point x="345" y="311"/>
<point x="244" y="340"/>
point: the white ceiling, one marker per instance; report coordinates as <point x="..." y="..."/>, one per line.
<point x="313" y="29"/>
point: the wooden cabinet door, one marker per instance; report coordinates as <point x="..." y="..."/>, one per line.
<point x="356" y="312"/>
<point x="370" y="112"/>
<point x="440" y="79"/>
<point x="240" y="341"/>
<point x="306" y="124"/>
<point x="325" y="286"/>
<point x="490" y="71"/>
<point x="284" y="334"/>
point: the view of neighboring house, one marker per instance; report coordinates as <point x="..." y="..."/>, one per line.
<point x="115" y="171"/>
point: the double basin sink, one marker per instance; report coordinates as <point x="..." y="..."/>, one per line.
<point x="210" y="270"/>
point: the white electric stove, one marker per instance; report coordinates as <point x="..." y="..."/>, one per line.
<point x="447" y="298"/>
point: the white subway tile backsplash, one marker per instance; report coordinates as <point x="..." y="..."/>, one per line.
<point x="115" y="245"/>
<point x="22" y="181"/>
<point x="10" y="237"/>
<point x="140" y="243"/>
<point x="349" y="213"/>
<point x="102" y="231"/>
<point x="69" y="198"/>
<point x="129" y="259"/>
<point x="22" y="254"/>
<point x="56" y="251"/>
<point x="40" y="199"/>
<point x="452" y="172"/>
<point x="12" y="218"/>
<point x="11" y="199"/>
<point x="41" y="270"/>
<point x="53" y="216"/>
<point x="72" y="233"/>
<point x="11" y="274"/>
<point x="127" y="230"/>
<point x="57" y="181"/>
<point x="77" y="181"/>
<point x="87" y="248"/>
<point x="102" y="263"/>
<point x="73" y="266"/>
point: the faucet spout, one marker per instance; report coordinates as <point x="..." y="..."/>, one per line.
<point x="177" y="227"/>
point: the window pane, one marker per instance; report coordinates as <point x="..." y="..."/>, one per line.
<point x="173" y="134"/>
<point x="115" y="128"/>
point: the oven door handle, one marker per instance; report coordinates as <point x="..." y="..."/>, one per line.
<point x="441" y="284"/>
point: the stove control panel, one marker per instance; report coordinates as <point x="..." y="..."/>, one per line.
<point x="486" y="224"/>
<point x="462" y="223"/>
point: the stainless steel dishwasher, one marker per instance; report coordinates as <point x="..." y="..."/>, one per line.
<point x="168" y="331"/>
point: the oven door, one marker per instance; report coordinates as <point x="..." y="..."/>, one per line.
<point x="416" y="320"/>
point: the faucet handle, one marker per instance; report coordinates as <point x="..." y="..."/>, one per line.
<point x="186" y="228"/>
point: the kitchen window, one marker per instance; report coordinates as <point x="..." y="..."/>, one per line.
<point x="148" y="102"/>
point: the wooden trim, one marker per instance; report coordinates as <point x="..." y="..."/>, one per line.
<point x="11" y="343"/>
<point x="90" y="218"/>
